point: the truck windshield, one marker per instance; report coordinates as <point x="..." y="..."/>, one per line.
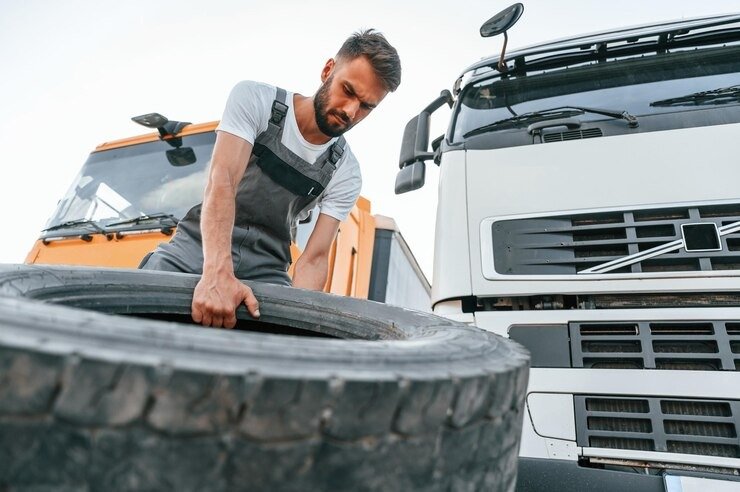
<point x="639" y="85"/>
<point x="128" y="182"/>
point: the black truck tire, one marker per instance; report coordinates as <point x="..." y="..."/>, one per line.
<point x="95" y="396"/>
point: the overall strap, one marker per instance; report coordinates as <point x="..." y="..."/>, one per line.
<point x="279" y="108"/>
<point x="334" y="155"/>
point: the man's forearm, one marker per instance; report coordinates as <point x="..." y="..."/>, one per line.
<point x="311" y="273"/>
<point x="217" y="223"/>
<point x="228" y="165"/>
<point x="312" y="266"/>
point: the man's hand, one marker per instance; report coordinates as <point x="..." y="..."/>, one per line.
<point x="216" y="298"/>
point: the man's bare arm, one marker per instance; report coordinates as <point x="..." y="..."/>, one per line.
<point x="311" y="268"/>
<point x="218" y="292"/>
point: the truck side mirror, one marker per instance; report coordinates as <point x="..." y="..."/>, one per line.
<point x="414" y="147"/>
<point x="502" y="21"/>
<point x="415" y="140"/>
<point x="411" y="177"/>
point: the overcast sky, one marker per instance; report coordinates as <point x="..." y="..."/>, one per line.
<point x="74" y="72"/>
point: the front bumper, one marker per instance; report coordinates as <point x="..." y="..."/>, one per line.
<point x="547" y="475"/>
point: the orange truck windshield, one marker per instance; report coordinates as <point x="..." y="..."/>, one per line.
<point x="125" y="183"/>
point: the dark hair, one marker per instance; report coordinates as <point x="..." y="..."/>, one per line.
<point x="382" y="56"/>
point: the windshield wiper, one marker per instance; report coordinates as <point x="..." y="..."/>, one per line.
<point x="71" y="224"/>
<point x="715" y="96"/>
<point x="522" y="119"/>
<point x="158" y="218"/>
<point x="560" y="112"/>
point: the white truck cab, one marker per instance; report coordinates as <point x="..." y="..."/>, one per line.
<point x="589" y="208"/>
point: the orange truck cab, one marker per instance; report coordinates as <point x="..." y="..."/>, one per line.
<point x="130" y="194"/>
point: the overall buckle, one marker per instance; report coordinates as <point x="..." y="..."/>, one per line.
<point x="335" y="154"/>
<point x="279" y="111"/>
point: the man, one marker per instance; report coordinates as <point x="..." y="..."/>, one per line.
<point x="276" y="156"/>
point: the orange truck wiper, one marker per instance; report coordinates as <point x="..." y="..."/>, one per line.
<point x="79" y="223"/>
<point x="159" y="218"/>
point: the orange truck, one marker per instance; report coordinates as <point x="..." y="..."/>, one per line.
<point x="130" y="194"/>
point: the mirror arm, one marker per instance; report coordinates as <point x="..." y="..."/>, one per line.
<point x="419" y="157"/>
<point x="445" y="97"/>
<point x="502" y="60"/>
<point x="422" y="129"/>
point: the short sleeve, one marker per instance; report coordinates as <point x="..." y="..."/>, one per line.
<point x="343" y="189"/>
<point x="247" y="110"/>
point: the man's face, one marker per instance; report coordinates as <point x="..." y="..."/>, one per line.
<point x="349" y="92"/>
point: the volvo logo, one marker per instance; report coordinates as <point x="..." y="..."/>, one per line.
<point x="700" y="237"/>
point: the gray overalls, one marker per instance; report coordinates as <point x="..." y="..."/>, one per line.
<point x="276" y="187"/>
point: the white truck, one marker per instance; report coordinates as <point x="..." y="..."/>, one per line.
<point x="589" y="208"/>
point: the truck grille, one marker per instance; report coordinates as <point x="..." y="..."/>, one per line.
<point x="568" y="244"/>
<point x="676" y="345"/>
<point x="700" y="427"/>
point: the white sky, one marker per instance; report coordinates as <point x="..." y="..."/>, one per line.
<point x="73" y="73"/>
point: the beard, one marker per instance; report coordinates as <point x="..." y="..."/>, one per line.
<point x="322" y="113"/>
